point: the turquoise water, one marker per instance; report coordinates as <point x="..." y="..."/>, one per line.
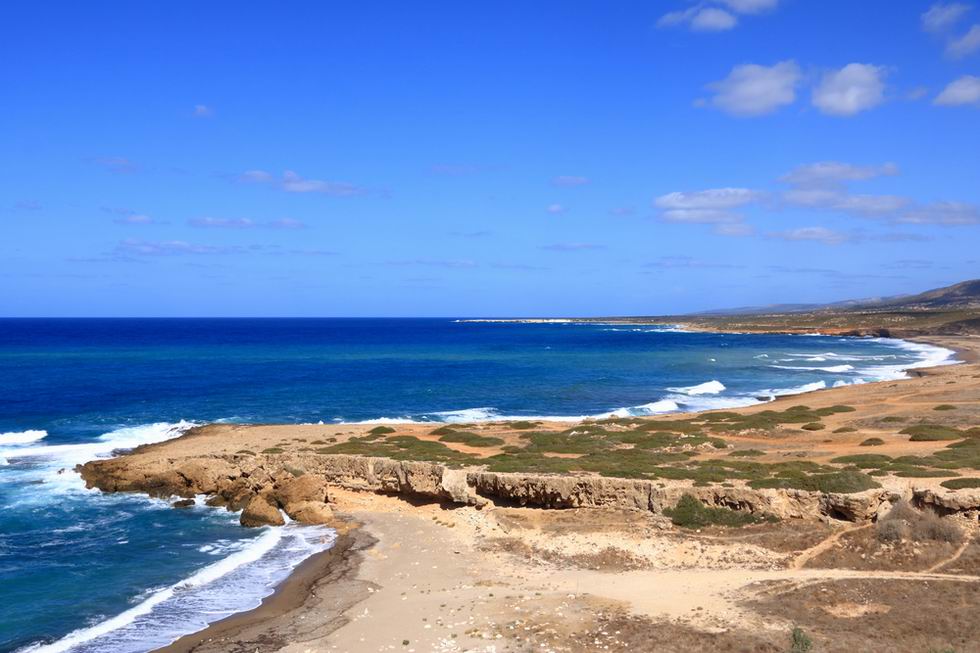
<point x="82" y="571"/>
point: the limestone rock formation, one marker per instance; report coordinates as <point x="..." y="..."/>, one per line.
<point x="261" y="511"/>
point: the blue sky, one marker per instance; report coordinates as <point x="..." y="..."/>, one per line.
<point x="514" y="158"/>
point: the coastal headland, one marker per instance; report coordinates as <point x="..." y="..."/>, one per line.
<point x="846" y="517"/>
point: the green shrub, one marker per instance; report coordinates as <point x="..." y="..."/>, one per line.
<point x="872" y="442"/>
<point x="944" y="407"/>
<point x="381" y="430"/>
<point x="799" y="641"/>
<point x="471" y="439"/>
<point x="522" y="425"/>
<point x="892" y="419"/>
<point x="863" y="460"/>
<point x="813" y="426"/>
<point x="691" y="513"/>
<point x="843" y="482"/>
<point x="273" y="450"/>
<point x="931" y="432"/>
<point x="961" y="483"/>
<point x="845" y="429"/>
<point x="443" y="430"/>
<point x="246" y="452"/>
<point x="747" y="453"/>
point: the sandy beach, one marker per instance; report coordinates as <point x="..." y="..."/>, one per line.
<point x="411" y="573"/>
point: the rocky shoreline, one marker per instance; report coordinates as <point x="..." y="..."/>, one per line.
<point x="261" y="485"/>
<point x="479" y="540"/>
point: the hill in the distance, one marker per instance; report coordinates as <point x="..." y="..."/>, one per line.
<point x="952" y="310"/>
<point x="964" y="295"/>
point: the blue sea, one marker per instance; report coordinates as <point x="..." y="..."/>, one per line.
<point x="83" y="571"/>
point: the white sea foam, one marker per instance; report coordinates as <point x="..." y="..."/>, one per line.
<point x="834" y="369"/>
<point x="235" y="583"/>
<point x="782" y="392"/>
<point x="22" y="437"/>
<point x="706" y="388"/>
<point x="124" y="438"/>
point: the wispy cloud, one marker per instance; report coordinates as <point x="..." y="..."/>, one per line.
<point x="245" y="223"/>
<point x="453" y="264"/>
<point x="135" y="218"/>
<point x="116" y="164"/>
<point x="470" y="234"/>
<point x="27" y="205"/>
<point x="943" y="213"/>
<point x="555" y="209"/>
<point x="518" y="266"/>
<point x="965" y="45"/>
<point x="713" y="206"/>
<point x="816" y="234"/>
<point x="963" y="91"/>
<point x="203" y="111"/>
<point x="830" y="273"/>
<point x="129" y="216"/>
<point x="455" y="169"/>
<point x="717" y="16"/>
<point x="136" y="247"/>
<point x="824" y="173"/>
<point x="292" y="182"/>
<point x="570" y="180"/>
<point x="686" y="262"/>
<point x="854" y="88"/>
<point x="824" y="186"/>
<point x="943" y="15"/>
<point x="622" y="211"/>
<point x="572" y="247"/>
<point x="754" y="90"/>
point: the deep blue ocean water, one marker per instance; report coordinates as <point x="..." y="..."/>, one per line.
<point x="82" y="571"/>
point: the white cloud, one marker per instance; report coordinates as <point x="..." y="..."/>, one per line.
<point x="736" y="229"/>
<point x="711" y="199"/>
<point x="854" y="88"/>
<point x="965" y="90"/>
<point x="834" y="172"/>
<point x="291" y="182"/>
<point x="571" y="247"/>
<point x="287" y="223"/>
<point x="943" y="213"/>
<point x="966" y="44"/>
<point x="709" y="17"/>
<point x="203" y="111"/>
<point x="814" y="234"/>
<point x="713" y="206"/>
<point x="165" y="248"/>
<point x="570" y="180"/>
<point x="135" y="218"/>
<point x="117" y="164"/>
<point x="555" y="209"/>
<point x="225" y="223"/>
<point x="255" y="177"/>
<point x="712" y="19"/>
<point x="941" y="16"/>
<point x="672" y="262"/>
<point x="453" y="264"/>
<point x="750" y="6"/>
<point x="754" y="90"/>
<point x="823" y="185"/>
<point x="245" y="223"/>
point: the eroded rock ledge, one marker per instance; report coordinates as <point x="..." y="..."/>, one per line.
<point x="261" y="485"/>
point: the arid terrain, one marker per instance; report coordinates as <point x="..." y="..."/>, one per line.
<point x="844" y="519"/>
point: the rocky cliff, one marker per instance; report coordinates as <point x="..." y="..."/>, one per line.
<point x="262" y="485"/>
